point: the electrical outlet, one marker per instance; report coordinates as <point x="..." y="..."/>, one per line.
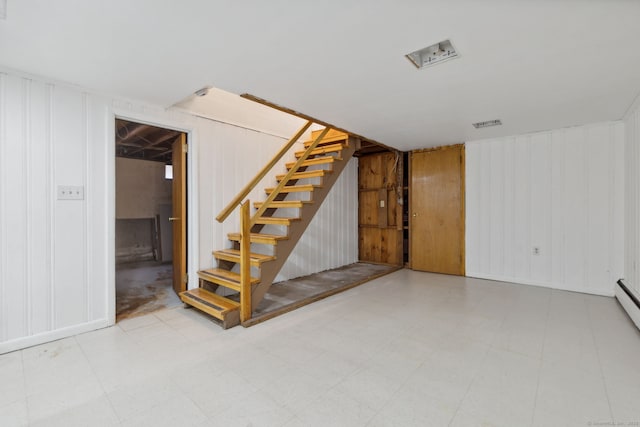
<point x="536" y="250"/>
<point x="382" y="203"/>
<point x="70" y="192"/>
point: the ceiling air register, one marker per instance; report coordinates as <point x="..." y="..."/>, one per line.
<point x="433" y="55"/>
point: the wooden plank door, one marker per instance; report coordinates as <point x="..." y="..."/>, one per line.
<point x="379" y="215"/>
<point x="437" y="210"/>
<point x="179" y="218"/>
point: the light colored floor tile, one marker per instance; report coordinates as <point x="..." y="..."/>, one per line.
<point x="12" y="385"/>
<point x="504" y="391"/>
<point x="132" y="400"/>
<point x="263" y="411"/>
<point x="335" y="408"/>
<point x="179" y="411"/>
<point x="64" y="398"/>
<point x="409" y="407"/>
<point x="297" y="388"/>
<point x="624" y="399"/>
<point x="97" y="412"/>
<point x="447" y="374"/>
<point x="370" y="387"/>
<point x="137" y="322"/>
<point x="215" y="397"/>
<point x="14" y="414"/>
<point x="408" y="349"/>
<point x="465" y="419"/>
<point x="568" y="395"/>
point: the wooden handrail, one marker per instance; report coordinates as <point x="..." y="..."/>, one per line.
<point x="250" y="186"/>
<point x="245" y="265"/>
<point x="288" y="176"/>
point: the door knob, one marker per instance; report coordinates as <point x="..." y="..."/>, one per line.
<point x="415" y="215"/>
<point x="173" y="218"/>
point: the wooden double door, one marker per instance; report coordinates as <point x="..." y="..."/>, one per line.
<point x="436" y="206"/>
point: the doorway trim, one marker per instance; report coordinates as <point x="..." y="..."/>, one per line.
<point x="158" y="119"/>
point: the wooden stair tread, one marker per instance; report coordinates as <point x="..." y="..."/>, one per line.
<point x="306" y="174"/>
<point x="322" y="150"/>
<point x="266" y="239"/>
<point x="233" y="255"/>
<point x="284" y="204"/>
<point x="294" y="188"/>
<point x="315" y="161"/>
<point x="226" y="278"/>
<point x="275" y="220"/>
<point x="328" y="139"/>
<point x="209" y="302"/>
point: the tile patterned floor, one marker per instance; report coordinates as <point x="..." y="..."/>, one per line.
<point x="408" y="349"/>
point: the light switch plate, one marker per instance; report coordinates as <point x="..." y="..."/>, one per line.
<point x="70" y="192"/>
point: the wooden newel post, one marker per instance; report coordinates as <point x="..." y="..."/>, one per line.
<point x="245" y="262"/>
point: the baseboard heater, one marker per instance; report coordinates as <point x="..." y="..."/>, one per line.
<point x="629" y="302"/>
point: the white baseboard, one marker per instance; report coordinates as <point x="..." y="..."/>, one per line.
<point x="628" y="304"/>
<point x="30" y="341"/>
<point x="520" y="281"/>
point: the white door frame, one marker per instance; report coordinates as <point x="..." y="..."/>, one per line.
<point x="159" y="119"/>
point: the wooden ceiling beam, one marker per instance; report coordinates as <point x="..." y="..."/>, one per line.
<point x="164" y="138"/>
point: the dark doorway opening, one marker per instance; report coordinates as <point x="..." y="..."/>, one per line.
<point x="145" y="191"/>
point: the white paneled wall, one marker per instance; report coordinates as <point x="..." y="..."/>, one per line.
<point x="331" y="240"/>
<point x="632" y="206"/>
<point x="57" y="257"/>
<point x="560" y="193"/>
<point x="52" y="252"/>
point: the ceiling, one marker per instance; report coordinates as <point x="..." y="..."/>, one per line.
<point x="536" y="64"/>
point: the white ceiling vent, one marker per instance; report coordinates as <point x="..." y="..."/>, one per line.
<point x="434" y="54"/>
<point x="487" y="124"/>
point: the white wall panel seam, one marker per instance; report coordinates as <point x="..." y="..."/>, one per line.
<point x="26" y="182"/>
<point x="613" y="145"/>
<point x="564" y="203"/>
<point x="3" y="204"/>
<point x="528" y="246"/>
<point x="488" y="200"/>
<point x="635" y="195"/>
<point x="632" y="194"/>
<point x="53" y="214"/>
<point x="87" y="249"/>
<point x="587" y="204"/>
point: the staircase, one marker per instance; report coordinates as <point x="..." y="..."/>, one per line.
<point x="247" y="269"/>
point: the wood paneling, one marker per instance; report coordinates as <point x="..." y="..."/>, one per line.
<point x="557" y="192"/>
<point x="380" y="237"/>
<point x="437" y="210"/>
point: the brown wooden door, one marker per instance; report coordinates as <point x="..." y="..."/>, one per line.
<point x="437" y="210"/>
<point x="179" y="217"/>
<point x="379" y="215"/>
